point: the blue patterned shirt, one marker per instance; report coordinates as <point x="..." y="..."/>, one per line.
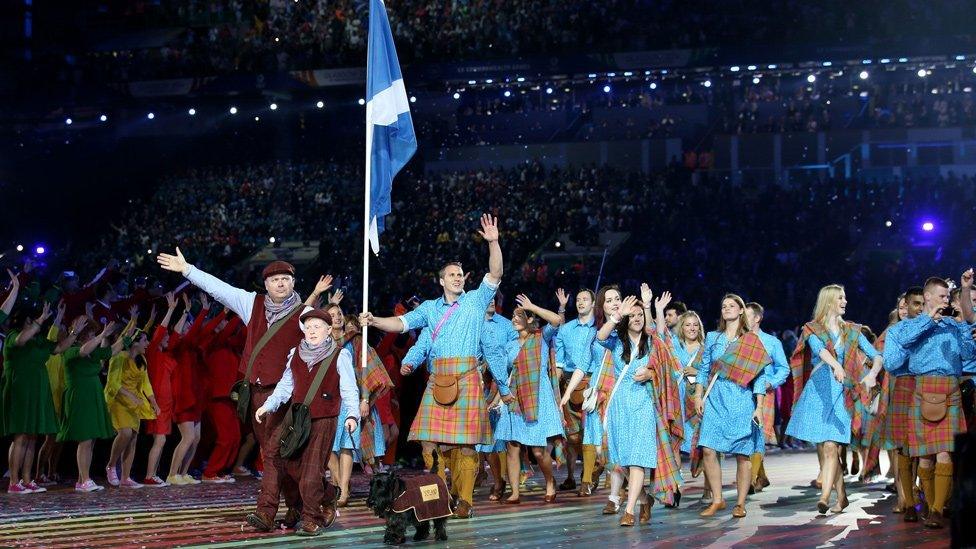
<point x="936" y="348"/>
<point x="573" y="344"/>
<point x="460" y="336"/>
<point x="776" y="373"/>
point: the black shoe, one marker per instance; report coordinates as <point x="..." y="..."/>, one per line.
<point x="567" y="485"/>
<point x="911" y="515"/>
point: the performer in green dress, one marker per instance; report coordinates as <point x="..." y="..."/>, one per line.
<point x="85" y="414"/>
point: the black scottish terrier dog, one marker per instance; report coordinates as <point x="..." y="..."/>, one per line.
<point x="384" y="491"/>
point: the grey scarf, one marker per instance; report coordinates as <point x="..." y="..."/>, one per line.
<point x="313" y="354"/>
<point x="274" y="312"/>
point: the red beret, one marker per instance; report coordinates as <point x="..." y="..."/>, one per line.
<point x="278" y="268"/>
<point x="320" y="314"/>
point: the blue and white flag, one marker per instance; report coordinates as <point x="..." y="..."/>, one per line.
<point x="390" y="140"/>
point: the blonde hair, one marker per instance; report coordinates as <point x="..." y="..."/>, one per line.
<point x="681" y="326"/>
<point x="825" y="301"/>
<point x="742" y="315"/>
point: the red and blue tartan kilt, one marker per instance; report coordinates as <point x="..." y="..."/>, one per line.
<point x="463" y="423"/>
<point x="926" y="438"/>
<point x="898" y="418"/>
<point x="769" y="417"/>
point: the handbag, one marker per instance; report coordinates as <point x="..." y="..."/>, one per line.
<point x="591" y="394"/>
<point x="240" y="393"/>
<point x="297" y="425"/>
<point x="934" y="406"/>
<point x="446" y="390"/>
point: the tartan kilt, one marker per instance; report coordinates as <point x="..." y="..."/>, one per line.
<point x="898" y="418"/>
<point x="463" y="423"/>
<point x="573" y="414"/>
<point x="769" y="417"/>
<point x="926" y="438"/>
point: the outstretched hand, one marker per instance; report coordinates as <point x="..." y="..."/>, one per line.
<point x="489" y="228"/>
<point x="175" y="263"/>
<point x="562" y="297"/>
<point x="524" y="302"/>
<point x="646" y="294"/>
<point x="629" y="306"/>
<point x="336" y="298"/>
<point x="323" y="285"/>
<point x="662" y="301"/>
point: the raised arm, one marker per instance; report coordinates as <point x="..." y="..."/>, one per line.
<point x="34" y="327"/>
<point x="628" y="307"/>
<point x="545" y="314"/>
<point x="322" y="286"/>
<point x="489" y="231"/>
<point x="235" y="299"/>
<point x="966" y="297"/>
<point x="170" y="307"/>
<point x="659" y="304"/>
<point x="89" y="346"/>
<point x="8" y="304"/>
<point x="76" y="327"/>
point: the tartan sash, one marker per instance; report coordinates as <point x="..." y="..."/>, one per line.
<point x="526" y="377"/>
<point x="743" y="361"/>
<point x="801" y="363"/>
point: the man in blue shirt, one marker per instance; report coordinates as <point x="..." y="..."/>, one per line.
<point x="453" y="414"/>
<point x="573" y="349"/>
<point x="938" y="346"/>
<point x="780" y="370"/>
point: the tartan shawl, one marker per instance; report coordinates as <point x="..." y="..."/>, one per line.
<point x="801" y="363"/>
<point x="526" y="378"/>
<point x="743" y="360"/>
<point x="667" y="405"/>
<point x="374" y="381"/>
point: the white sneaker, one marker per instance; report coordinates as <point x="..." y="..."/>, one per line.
<point x="112" y="475"/>
<point x="88" y="486"/>
<point x="129" y="483"/>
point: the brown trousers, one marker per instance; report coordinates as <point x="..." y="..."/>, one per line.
<point x="274" y="484"/>
<point x="308" y="470"/>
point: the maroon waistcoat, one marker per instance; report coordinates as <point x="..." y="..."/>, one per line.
<point x="327" y="400"/>
<point x="270" y="362"/>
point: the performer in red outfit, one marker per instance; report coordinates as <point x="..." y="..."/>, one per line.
<point x="222" y="360"/>
<point x="162" y="369"/>
<point x="190" y="396"/>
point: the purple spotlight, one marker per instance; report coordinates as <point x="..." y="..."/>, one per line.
<point x="928" y="226"/>
<point x="40" y="250"/>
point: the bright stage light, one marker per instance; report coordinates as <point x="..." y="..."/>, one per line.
<point x="103" y="118"/>
<point x="811" y="78"/>
<point x="457" y="95"/>
<point x="362" y="101"/>
<point x="273" y="106"/>
<point x="606" y="89"/>
<point x="192" y="112"/>
<point x="928" y="226"/>
<point x="150" y="116"/>
<point x="68" y="121"/>
<point x="863" y="75"/>
<point x="319" y="104"/>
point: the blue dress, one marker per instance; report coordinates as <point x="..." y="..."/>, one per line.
<point x="592" y="422"/>
<point x="726" y="424"/>
<point x="820" y="414"/>
<point x="631" y="422"/>
<point x="684" y="358"/>
<point x="512" y="426"/>
<point x="343" y="440"/>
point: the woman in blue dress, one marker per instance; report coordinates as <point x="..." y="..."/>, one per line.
<point x="344" y="451"/>
<point x="690" y="339"/>
<point x="630" y="422"/>
<point x="731" y="415"/>
<point x="608" y="301"/>
<point x="835" y="349"/>
<point x="528" y="412"/>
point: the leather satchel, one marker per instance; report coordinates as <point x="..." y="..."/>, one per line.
<point x="934" y="406"/>
<point x="446" y="390"/>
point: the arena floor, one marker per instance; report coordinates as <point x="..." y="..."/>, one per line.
<point x="783" y="515"/>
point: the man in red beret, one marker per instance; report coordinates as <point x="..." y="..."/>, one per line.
<point x="273" y="329"/>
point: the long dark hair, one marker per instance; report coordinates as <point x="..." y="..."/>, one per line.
<point x="623" y="332"/>
<point x="601" y="298"/>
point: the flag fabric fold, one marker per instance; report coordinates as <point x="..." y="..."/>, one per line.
<point x="390" y="137"/>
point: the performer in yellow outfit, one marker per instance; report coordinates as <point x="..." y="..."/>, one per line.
<point x="130" y="400"/>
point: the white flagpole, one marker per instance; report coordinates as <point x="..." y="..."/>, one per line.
<point x="366" y="227"/>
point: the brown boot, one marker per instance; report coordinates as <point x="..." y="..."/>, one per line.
<point x="911" y="515"/>
<point x="611" y="508"/>
<point x="309" y="529"/>
<point x="292" y="516"/>
<point x="464" y="510"/>
<point x="627" y="519"/>
<point x="934" y="521"/>
<point x="645" y="512"/>
<point x="259" y="521"/>
<point x="586" y="489"/>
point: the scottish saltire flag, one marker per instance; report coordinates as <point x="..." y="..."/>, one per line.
<point x="390" y="140"/>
